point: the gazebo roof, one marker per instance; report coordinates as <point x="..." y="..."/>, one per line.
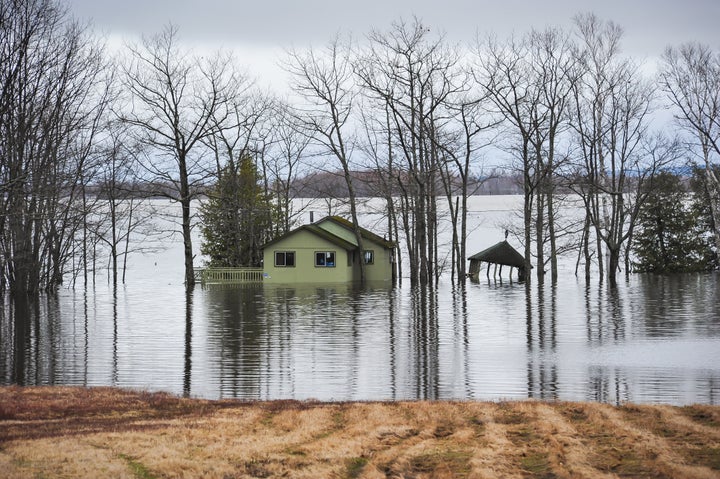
<point x="501" y="253"/>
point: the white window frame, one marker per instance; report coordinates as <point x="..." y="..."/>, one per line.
<point x="372" y="256"/>
<point x="325" y="259"/>
<point x="284" y="253"/>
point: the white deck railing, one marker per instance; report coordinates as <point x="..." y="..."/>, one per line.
<point x="229" y="275"/>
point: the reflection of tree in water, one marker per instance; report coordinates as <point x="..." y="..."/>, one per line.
<point x="439" y="345"/>
<point x="669" y="305"/>
<point x="26" y="338"/>
<point x="605" y="314"/>
<point x="651" y="307"/>
<point x="46" y="340"/>
<point x="336" y="342"/>
<point x="541" y="335"/>
<point x="279" y="306"/>
<point x="340" y="341"/>
<point x="608" y="385"/>
<point x="461" y="339"/>
<point x="236" y="334"/>
<point x="606" y="324"/>
<point x="114" y="373"/>
<point x="425" y="345"/>
<point x="39" y="345"/>
<point x="296" y="341"/>
<point x="187" y="370"/>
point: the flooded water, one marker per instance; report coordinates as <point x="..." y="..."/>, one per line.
<point x="652" y="339"/>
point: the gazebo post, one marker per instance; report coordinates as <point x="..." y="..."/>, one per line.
<point x="500" y="254"/>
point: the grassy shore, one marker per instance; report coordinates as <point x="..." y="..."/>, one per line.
<point x="104" y="432"/>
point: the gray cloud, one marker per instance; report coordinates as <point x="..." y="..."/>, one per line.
<point x="650" y="25"/>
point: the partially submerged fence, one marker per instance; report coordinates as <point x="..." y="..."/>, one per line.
<point x="229" y="275"/>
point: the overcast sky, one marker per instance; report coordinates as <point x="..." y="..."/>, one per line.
<point x="258" y="30"/>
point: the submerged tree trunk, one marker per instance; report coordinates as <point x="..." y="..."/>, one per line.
<point x="553" y="236"/>
<point x="185" y="200"/>
<point x="178" y="102"/>
<point x="540" y="235"/>
<point x="527" y="211"/>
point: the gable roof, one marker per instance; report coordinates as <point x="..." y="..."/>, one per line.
<point x="365" y="233"/>
<point x="501" y="253"/>
<point x="317" y="231"/>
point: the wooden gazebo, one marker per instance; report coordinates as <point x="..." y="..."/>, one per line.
<point x="501" y="254"/>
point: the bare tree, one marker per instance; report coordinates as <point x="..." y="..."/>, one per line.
<point x="530" y="81"/>
<point x="240" y="136"/>
<point x="690" y="76"/>
<point x="324" y="80"/>
<point x="465" y="136"/>
<point x="611" y="107"/>
<point x="505" y="73"/>
<point x="377" y="148"/>
<point x="237" y="126"/>
<point x="121" y="211"/>
<point x="413" y="75"/>
<point x="52" y="96"/>
<point x="176" y="101"/>
<point x="554" y="70"/>
<point x="284" y="161"/>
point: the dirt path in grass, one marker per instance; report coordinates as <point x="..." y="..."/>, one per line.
<point x="103" y="432"/>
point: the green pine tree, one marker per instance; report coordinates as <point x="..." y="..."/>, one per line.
<point x="237" y="217"/>
<point x="672" y="234"/>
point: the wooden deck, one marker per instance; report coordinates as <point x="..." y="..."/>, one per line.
<point x="229" y="275"/>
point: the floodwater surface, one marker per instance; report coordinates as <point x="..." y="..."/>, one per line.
<point x="652" y="339"/>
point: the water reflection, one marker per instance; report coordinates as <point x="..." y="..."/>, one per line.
<point x="187" y="370"/>
<point x="115" y="365"/>
<point x="21" y="332"/>
<point x="425" y="342"/>
<point x="652" y="339"/>
<point x="607" y="384"/>
<point x="604" y="314"/>
<point x="671" y="301"/>
<point x="541" y="334"/>
<point x="461" y="337"/>
<point x="237" y="332"/>
<point x="303" y="341"/>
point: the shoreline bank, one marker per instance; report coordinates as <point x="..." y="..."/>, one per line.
<point x="106" y="432"/>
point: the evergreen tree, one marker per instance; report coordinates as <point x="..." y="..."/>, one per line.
<point x="704" y="195"/>
<point x="672" y="232"/>
<point x="235" y="217"/>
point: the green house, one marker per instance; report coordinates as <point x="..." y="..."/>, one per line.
<point x="326" y="252"/>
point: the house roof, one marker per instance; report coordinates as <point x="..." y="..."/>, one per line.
<point x="501" y="253"/>
<point x="317" y="231"/>
<point x="365" y="233"/>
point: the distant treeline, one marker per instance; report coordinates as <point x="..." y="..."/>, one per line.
<point x="367" y="184"/>
<point x="321" y="184"/>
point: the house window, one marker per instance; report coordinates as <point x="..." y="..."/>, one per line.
<point x="325" y="259"/>
<point x="285" y="258"/>
<point x="369" y="256"/>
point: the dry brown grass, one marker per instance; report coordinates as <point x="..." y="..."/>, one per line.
<point x="75" y="432"/>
